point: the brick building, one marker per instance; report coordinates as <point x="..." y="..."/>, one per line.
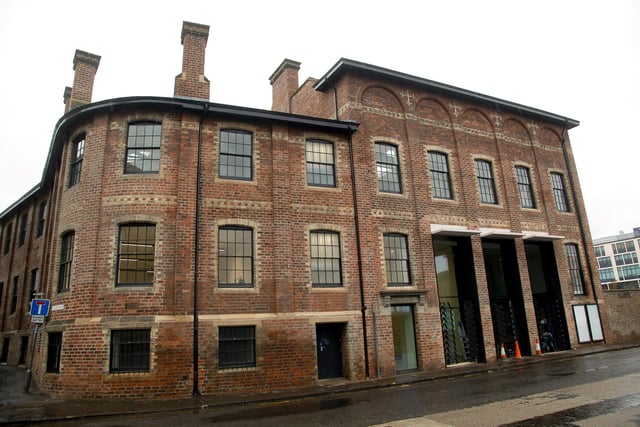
<point x="372" y="222"/>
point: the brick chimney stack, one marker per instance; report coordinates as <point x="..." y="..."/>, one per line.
<point x="85" y="66"/>
<point x="284" y="83"/>
<point x="191" y="82"/>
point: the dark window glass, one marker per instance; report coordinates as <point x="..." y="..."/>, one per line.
<point x="575" y="268"/>
<point x="77" y="155"/>
<point x="54" y="351"/>
<point x="35" y="278"/>
<point x="237" y="346"/>
<point x="130" y="350"/>
<point x="236" y="150"/>
<point x="486" y="183"/>
<point x="325" y="258"/>
<point x="22" y="232"/>
<point x="320" y="163"/>
<point x="66" y="260"/>
<point x="235" y="256"/>
<point x="7" y="238"/>
<point x="440" y="177"/>
<point x="599" y="250"/>
<point x="396" y="259"/>
<point x="629" y="272"/>
<point x="14" y="294"/>
<point x="136" y="251"/>
<point x="559" y="192"/>
<point x="607" y="275"/>
<point x="525" y="189"/>
<point x="388" y="168"/>
<point x="42" y="216"/>
<point x="143" y="148"/>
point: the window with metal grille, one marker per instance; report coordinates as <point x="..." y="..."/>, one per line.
<point x="66" y="261"/>
<point x="235" y="256"/>
<point x="324" y="247"/>
<point x="236" y="346"/>
<point x="236" y="154"/>
<point x="77" y="155"/>
<point x="320" y="163"/>
<point x="143" y="148"/>
<point x="440" y="177"/>
<point x="396" y="260"/>
<point x="136" y="252"/>
<point x="575" y="268"/>
<point x="54" y="351"/>
<point x="486" y="183"/>
<point x="388" y="168"/>
<point x="525" y="189"/>
<point x="130" y="350"/>
<point x="559" y="192"/>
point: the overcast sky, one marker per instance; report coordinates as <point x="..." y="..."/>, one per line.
<point x="579" y="59"/>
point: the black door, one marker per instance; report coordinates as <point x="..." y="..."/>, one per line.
<point x="329" y="349"/>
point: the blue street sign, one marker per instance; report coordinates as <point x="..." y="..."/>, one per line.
<point x="40" y="307"/>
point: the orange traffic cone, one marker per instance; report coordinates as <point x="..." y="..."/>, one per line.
<point x="503" y="354"/>
<point x="538" y="350"/>
<point x="518" y="355"/>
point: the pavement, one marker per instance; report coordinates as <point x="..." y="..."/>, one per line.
<point x="20" y="408"/>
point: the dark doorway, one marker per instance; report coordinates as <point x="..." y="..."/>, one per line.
<point x="458" y="298"/>
<point x="24" y="344"/>
<point x="505" y="295"/>
<point x="4" y="355"/>
<point x="329" y="349"/>
<point x="547" y="297"/>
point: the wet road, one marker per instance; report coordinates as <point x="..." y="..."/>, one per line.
<point x="600" y="389"/>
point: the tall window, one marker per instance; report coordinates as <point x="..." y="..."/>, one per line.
<point x="237" y="346"/>
<point x="440" y="177"/>
<point x="66" y="260"/>
<point x="7" y="238"/>
<point x="143" y="148"/>
<point x="136" y="251"/>
<point x="325" y="258"/>
<point x="236" y="151"/>
<point x="388" y="168"/>
<point x="320" y="163"/>
<point x="525" y="189"/>
<point x="559" y="192"/>
<point x="42" y="216"/>
<point x="235" y="256"/>
<point x="35" y="278"/>
<point x="77" y="154"/>
<point x="486" y="183"/>
<point x="575" y="268"/>
<point x="130" y="350"/>
<point x="22" y="232"/>
<point x="599" y="250"/>
<point x="14" y="294"/>
<point x="54" y="351"/>
<point x="396" y="260"/>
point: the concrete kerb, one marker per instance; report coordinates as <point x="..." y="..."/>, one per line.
<point x="30" y="408"/>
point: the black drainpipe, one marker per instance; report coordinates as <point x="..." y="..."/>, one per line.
<point x="583" y="235"/>
<point x="196" y="250"/>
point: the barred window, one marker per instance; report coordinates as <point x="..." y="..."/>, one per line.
<point x="143" y="148"/>
<point x="440" y="177"/>
<point x="525" y="189"/>
<point x="77" y="155"/>
<point x="575" y="268"/>
<point x="54" y="351"/>
<point x="235" y="256"/>
<point x="388" y="168"/>
<point x="559" y="192"/>
<point x="136" y="252"/>
<point x="486" y="183"/>
<point x="236" y="346"/>
<point x="320" y="163"/>
<point x="396" y="259"/>
<point x="66" y="260"/>
<point x="325" y="258"/>
<point x="236" y="151"/>
<point x="130" y="350"/>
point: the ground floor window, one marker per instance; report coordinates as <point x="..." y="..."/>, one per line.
<point x="54" y="350"/>
<point x="237" y="346"/>
<point x="130" y="350"/>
